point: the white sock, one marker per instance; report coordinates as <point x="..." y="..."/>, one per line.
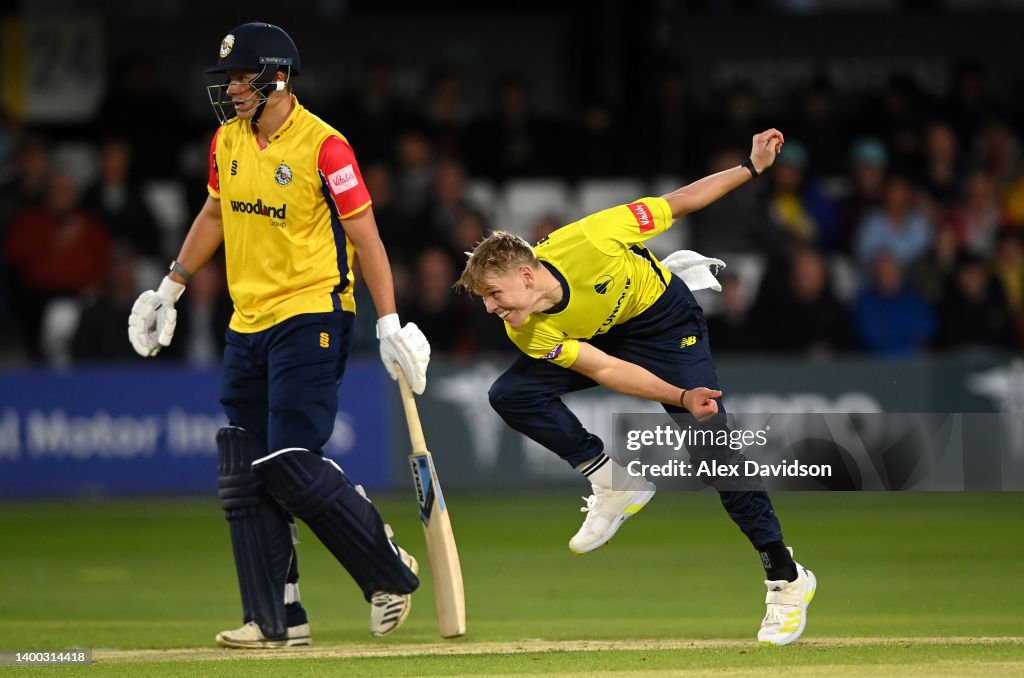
<point x="604" y="472"/>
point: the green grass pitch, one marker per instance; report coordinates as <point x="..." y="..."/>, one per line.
<point x="909" y="584"/>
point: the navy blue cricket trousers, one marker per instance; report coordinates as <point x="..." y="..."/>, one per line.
<point x="281" y="384"/>
<point x="528" y="395"/>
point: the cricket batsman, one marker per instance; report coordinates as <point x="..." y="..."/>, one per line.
<point x="591" y="305"/>
<point x="287" y="200"/>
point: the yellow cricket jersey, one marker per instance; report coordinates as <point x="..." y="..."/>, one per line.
<point x="609" y="275"/>
<point x="286" y="250"/>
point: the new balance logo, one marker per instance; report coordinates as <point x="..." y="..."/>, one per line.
<point x="258" y="207"/>
<point x="687" y="341"/>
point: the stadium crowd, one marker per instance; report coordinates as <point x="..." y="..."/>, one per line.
<point x="892" y="223"/>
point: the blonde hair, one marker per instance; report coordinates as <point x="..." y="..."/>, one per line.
<point x="497" y="254"/>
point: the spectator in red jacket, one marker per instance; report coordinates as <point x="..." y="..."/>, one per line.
<point x="54" y="250"/>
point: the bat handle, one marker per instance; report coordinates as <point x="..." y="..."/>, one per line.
<point x="403" y="382"/>
<point x="412" y="416"/>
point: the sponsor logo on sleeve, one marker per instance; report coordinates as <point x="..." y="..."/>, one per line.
<point x="555" y="352"/>
<point x="343" y="179"/>
<point x="643" y="216"/>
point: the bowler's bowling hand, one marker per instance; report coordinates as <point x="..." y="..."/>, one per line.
<point x="764" y="148"/>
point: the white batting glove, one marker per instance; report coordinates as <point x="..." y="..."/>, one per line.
<point x="695" y="269"/>
<point x="406" y="346"/>
<point x="151" y="323"/>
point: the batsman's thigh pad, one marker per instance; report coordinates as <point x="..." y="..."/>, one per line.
<point x="316" y="490"/>
<point x="261" y="532"/>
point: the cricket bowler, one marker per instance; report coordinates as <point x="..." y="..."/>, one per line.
<point x="589" y="305"/>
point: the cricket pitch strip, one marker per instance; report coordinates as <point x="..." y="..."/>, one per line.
<point x="527" y="645"/>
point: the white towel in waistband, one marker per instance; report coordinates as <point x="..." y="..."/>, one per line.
<point x="695" y="269"/>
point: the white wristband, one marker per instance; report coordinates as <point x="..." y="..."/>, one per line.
<point x="388" y="324"/>
<point x="170" y="290"/>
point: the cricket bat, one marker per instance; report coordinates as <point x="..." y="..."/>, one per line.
<point x="437" y="527"/>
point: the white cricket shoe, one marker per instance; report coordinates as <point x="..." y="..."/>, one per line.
<point x="250" y="637"/>
<point x="389" y="610"/>
<point x="787" y="607"/>
<point x="606" y="510"/>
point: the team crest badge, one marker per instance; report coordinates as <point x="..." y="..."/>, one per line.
<point x="283" y="174"/>
<point x="601" y="286"/>
<point x="226" y="45"/>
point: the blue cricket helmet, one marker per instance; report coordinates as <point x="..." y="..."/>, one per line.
<point x="255" y="46"/>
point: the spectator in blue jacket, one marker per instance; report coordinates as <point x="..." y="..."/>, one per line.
<point x="891" y="318"/>
<point x="898" y="228"/>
